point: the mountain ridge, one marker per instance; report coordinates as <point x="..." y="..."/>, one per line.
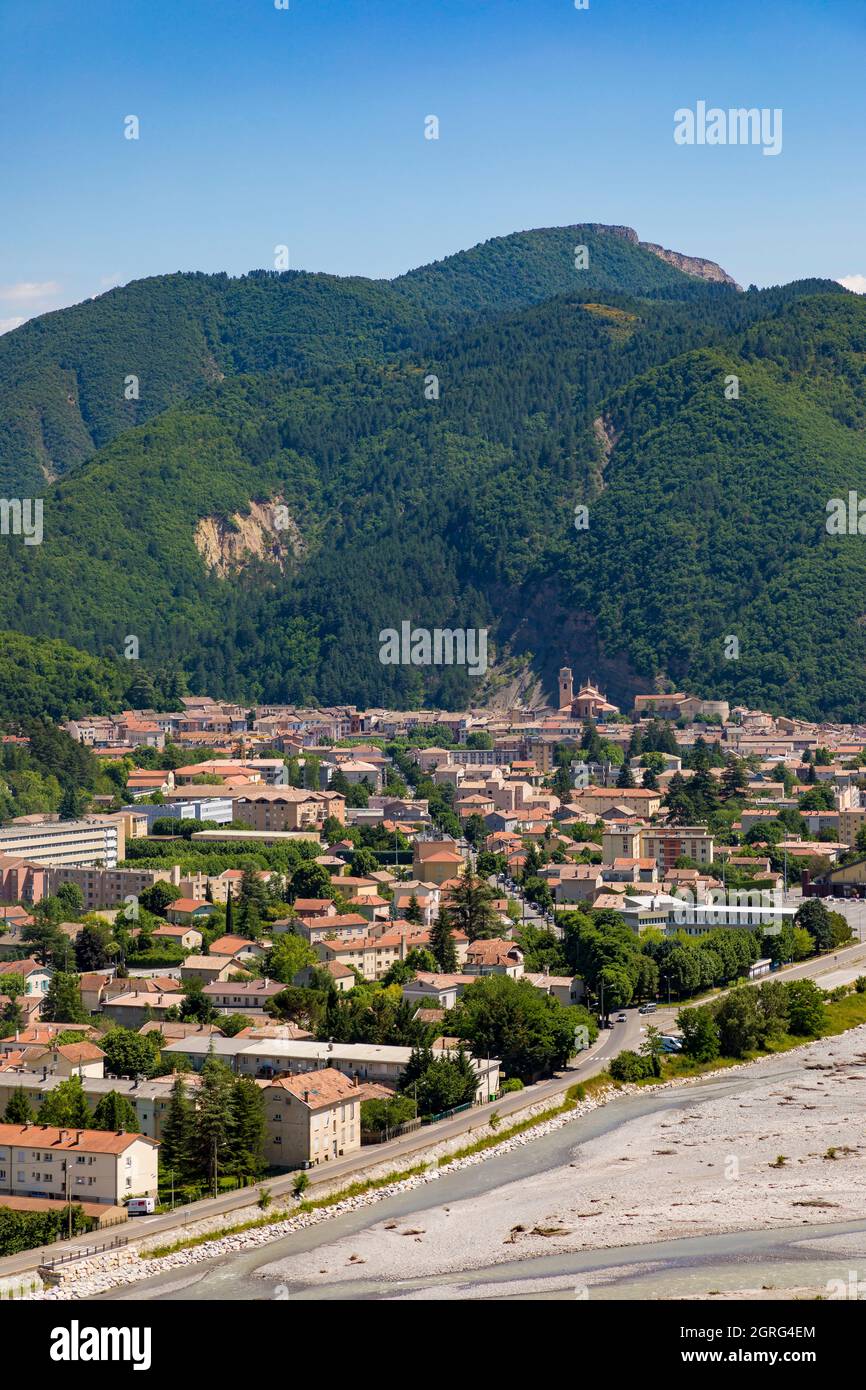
<point x="457" y="509"/>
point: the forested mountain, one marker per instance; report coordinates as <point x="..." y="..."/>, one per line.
<point x="64" y="387"/>
<point x="556" y="387"/>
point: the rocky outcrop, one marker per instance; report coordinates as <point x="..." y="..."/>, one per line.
<point x="692" y="265"/>
<point x="267" y="532"/>
<point x="689" y="265"/>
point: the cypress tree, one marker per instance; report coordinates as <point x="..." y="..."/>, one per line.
<point x="247" y="1156"/>
<point x="214" y="1127"/>
<point x="18" y="1108"/>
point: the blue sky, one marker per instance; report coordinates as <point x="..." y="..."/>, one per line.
<point x="305" y="127"/>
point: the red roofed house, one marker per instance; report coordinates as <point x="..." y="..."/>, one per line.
<point x="311" y="1118"/>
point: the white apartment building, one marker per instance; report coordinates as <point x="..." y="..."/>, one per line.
<point x="90" y="1165"/>
<point x="87" y="843"/>
<point x="271" y="1057"/>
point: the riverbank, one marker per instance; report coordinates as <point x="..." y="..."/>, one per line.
<point x="723" y="1165"/>
<point x="789" y="1151"/>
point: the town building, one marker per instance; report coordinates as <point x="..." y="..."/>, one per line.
<point x="311" y="1118"/>
<point x="65" y="1164"/>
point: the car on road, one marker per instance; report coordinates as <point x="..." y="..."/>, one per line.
<point x="621" y="1018"/>
<point x="647" y="1008"/>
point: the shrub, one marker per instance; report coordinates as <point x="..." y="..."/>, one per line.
<point x="630" y="1066"/>
<point x="513" y="1083"/>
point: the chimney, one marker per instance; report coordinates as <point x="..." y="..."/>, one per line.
<point x="306" y="1096"/>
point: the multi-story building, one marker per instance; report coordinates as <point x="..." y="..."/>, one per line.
<point x="311" y="1118"/>
<point x="110" y="887"/>
<point x="668" y="845"/>
<point x="287" y="808"/>
<point x="91" y="1164"/>
<point x="150" y="1099"/>
<point x="89" y="842"/>
<point x="271" y="1057"/>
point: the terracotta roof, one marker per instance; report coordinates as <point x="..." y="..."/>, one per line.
<point x="322" y="1088"/>
<point x="80" y="1052"/>
<point x="229" y="945"/>
<point x="268" y="987"/>
<point x="494" y="951"/>
<point x="87" y="1140"/>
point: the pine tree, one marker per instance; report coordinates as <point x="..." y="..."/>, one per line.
<point x="247" y="1155"/>
<point x="18" y="1108"/>
<point x="117" y="1113"/>
<point x="213" y="1128"/>
<point x="176" y="1147"/>
<point x="591" y="742"/>
<point x="470" y="909"/>
<point x="442" y="945"/>
<point x="413" y="911"/>
<point x="625" y="778"/>
<point x="733" y="777"/>
<point x="63" y="1000"/>
<point x="70" y="804"/>
<point x="252" y="903"/>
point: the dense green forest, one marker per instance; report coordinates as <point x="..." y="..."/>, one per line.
<point x="450" y="506"/>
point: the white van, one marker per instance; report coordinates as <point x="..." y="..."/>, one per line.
<point x="141" y="1206"/>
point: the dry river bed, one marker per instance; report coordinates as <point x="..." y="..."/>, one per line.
<point x="749" y="1181"/>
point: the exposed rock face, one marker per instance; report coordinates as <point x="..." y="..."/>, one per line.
<point x="267" y="532"/>
<point x="689" y="265"/>
<point x="692" y="265"/>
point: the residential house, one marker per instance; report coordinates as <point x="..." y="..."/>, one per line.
<point x="187" y="937"/>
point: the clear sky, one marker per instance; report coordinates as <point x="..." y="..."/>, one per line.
<point x="305" y="127"/>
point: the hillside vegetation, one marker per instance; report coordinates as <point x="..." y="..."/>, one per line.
<point x="604" y="387"/>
